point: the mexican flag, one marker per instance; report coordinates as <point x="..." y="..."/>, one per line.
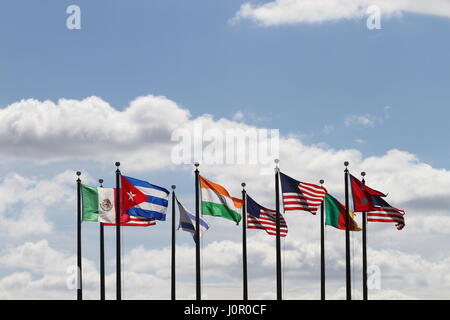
<point x="335" y="214"/>
<point x="216" y="201"/>
<point x="99" y="204"/>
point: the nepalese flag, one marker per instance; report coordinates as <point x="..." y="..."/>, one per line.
<point x="262" y="218"/>
<point x="143" y="199"/>
<point x="384" y="212"/>
<point x="188" y="221"/>
<point x="362" y="195"/>
<point x="99" y="205"/>
<point x="301" y="196"/>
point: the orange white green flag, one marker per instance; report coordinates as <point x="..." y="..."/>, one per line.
<point x="216" y="201"/>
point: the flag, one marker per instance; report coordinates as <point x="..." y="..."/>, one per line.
<point x="262" y="218"/>
<point x="301" y="196"/>
<point x="384" y="212"/>
<point x="187" y="221"/>
<point x="216" y="201"/>
<point x="99" y="205"/>
<point x="143" y="199"/>
<point x="362" y="195"/>
<point x="335" y="214"/>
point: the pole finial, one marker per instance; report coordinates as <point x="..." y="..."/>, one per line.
<point x="346" y="163"/>
<point x="363" y="174"/>
<point x="100" y="181"/>
<point x="196" y="164"/>
<point x="174" y="187"/>
<point x="117" y="164"/>
<point x="322" y="181"/>
<point x="243" y="184"/>
<point x="78" y="173"/>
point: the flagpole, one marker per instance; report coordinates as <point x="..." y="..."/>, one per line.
<point x="347" y="236"/>
<point x="102" y="255"/>
<point x="244" y="243"/>
<point x="364" y="247"/>
<point x="118" y="253"/>
<point x="79" y="257"/>
<point x="322" y="248"/>
<point x="277" y="222"/>
<point x="173" y="244"/>
<point x="197" y="233"/>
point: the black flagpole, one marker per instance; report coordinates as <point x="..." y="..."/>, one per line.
<point x="173" y="244"/>
<point x="277" y="222"/>
<point x="347" y="236"/>
<point x="118" y="260"/>
<point x="244" y="243"/>
<point x="364" y="246"/>
<point x="79" y="257"/>
<point x="322" y="248"/>
<point x="197" y="233"/>
<point x="102" y="255"/>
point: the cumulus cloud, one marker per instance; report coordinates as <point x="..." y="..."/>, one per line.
<point x="89" y="129"/>
<point x="26" y="200"/>
<point x="286" y="12"/>
<point x="38" y="269"/>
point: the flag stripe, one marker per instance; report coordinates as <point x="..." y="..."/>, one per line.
<point x="301" y="196"/>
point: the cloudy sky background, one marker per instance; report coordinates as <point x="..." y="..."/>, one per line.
<point x="118" y="88"/>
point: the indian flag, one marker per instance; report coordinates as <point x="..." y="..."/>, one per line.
<point x="216" y="201"/>
<point x="99" y="204"/>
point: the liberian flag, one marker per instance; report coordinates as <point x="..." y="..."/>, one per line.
<point x="384" y="212"/>
<point x="335" y="213"/>
<point x="301" y="196"/>
<point x="143" y="199"/>
<point x="99" y="205"/>
<point x="262" y="218"/>
<point x="187" y="221"/>
<point x="216" y="201"/>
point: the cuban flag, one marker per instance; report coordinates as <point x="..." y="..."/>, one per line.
<point x="143" y="199"/>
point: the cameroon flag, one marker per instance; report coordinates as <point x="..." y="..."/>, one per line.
<point x="335" y="214"/>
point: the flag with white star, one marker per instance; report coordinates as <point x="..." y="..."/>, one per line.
<point x="143" y="199"/>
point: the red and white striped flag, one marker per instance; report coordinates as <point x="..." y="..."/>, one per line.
<point x="384" y="212"/>
<point x="262" y="218"/>
<point x="301" y="196"/>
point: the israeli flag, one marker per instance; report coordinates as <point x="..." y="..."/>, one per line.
<point x="187" y="221"/>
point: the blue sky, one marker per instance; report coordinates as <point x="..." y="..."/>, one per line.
<point x="342" y="91"/>
<point x="318" y="74"/>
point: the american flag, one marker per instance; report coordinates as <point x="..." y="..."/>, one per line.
<point x="262" y="218"/>
<point x="135" y="221"/>
<point x="384" y="212"/>
<point x="301" y="196"/>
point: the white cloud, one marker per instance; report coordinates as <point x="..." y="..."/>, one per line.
<point x="365" y="120"/>
<point x="39" y="269"/>
<point x="25" y="200"/>
<point x="89" y="129"/>
<point x="285" y="12"/>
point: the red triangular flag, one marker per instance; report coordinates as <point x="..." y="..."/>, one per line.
<point x="131" y="196"/>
